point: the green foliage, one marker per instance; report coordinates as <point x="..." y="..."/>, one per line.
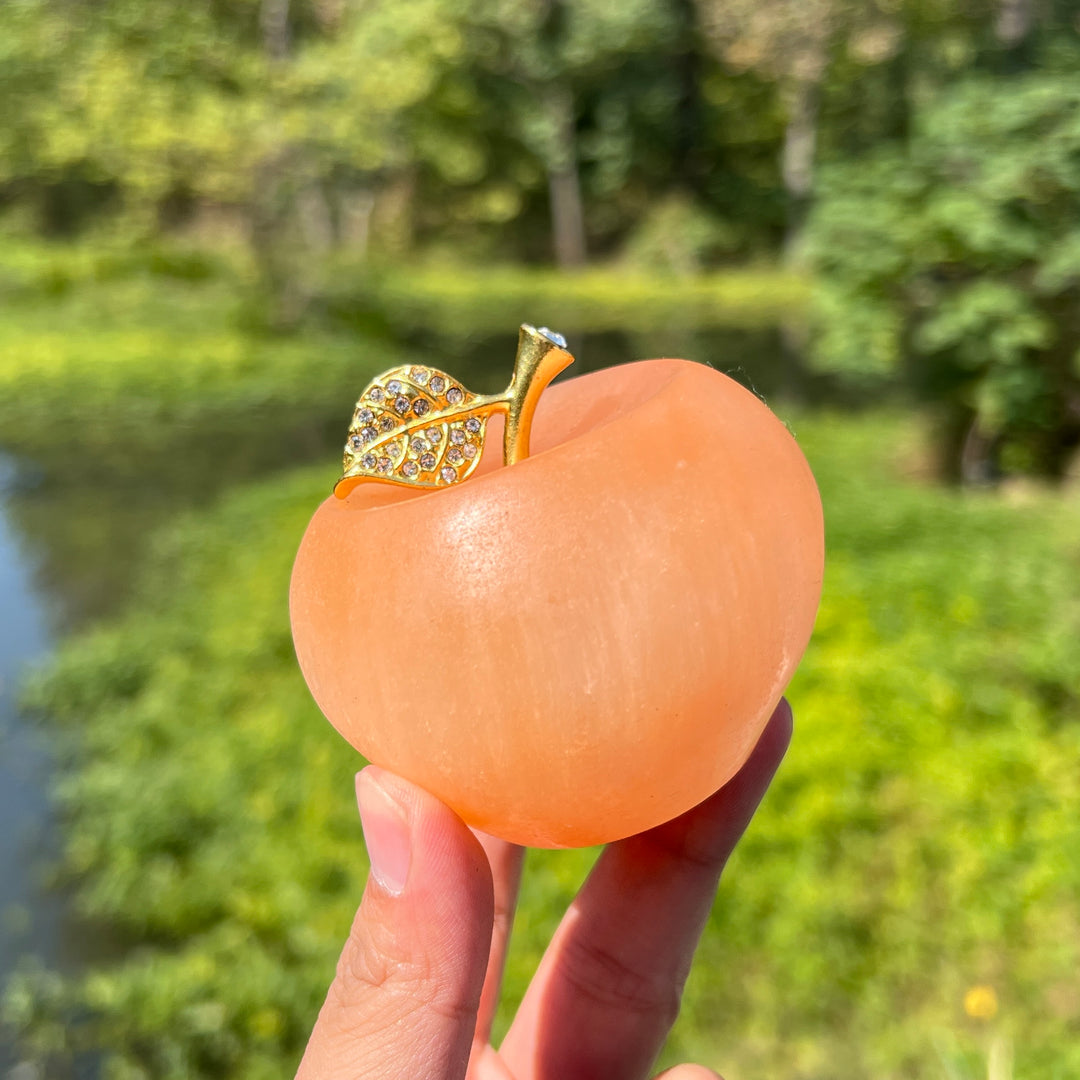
<point x="432" y="123"/>
<point x="460" y="299"/>
<point x="955" y="262"/>
<point x="109" y="370"/>
<point x="158" y="349"/>
<point x="162" y="98"/>
<point x="678" y="237"/>
<point x="109" y="355"/>
<point x="309" y="125"/>
<point x="917" y="841"/>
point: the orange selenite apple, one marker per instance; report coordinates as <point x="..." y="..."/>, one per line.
<point x="584" y="644"/>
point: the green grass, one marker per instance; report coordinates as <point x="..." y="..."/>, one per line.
<point x="109" y="353"/>
<point x="921" y="837"/>
<point x="114" y="368"/>
<point x="590" y="300"/>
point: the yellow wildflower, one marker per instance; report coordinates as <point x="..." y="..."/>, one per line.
<point x="981" y="1003"/>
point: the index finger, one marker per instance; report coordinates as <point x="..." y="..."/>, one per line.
<point x="404" y="999"/>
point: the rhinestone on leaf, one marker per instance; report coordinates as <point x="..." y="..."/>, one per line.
<point x="376" y="393"/>
<point x="473" y="424"/>
<point x="420" y="375"/>
<point x="392" y="449"/>
<point x="387" y="423"/>
<point x="393" y="387"/>
<point x="401" y="404"/>
<point x="420" y="406"/>
<point x="368" y="461"/>
<point x="385" y="464"/>
<point x="457" y="436"/>
<point x="365" y="416"/>
<point x="356" y="443"/>
<point x="454" y="395"/>
<point x="427" y="461"/>
<point x="448" y="474"/>
<point x="469" y="450"/>
<point x="434" y="434"/>
<point x="368" y="433"/>
<point x="417" y="445"/>
<point x="410" y="468"/>
<point x="437" y="384"/>
<point x="454" y="456"/>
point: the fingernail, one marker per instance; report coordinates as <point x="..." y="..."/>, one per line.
<point x="386" y="833"/>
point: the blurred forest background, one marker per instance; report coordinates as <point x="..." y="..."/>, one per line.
<point x="220" y="218"/>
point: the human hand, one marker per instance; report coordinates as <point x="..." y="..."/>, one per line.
<point x="418" y="981"/>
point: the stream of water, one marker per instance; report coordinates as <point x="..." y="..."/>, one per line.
<point x="32" y="916"/>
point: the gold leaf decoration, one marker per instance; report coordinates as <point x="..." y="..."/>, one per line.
<point x="417" y="426"/>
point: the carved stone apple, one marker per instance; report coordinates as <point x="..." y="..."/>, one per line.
<point x="586" y="643"/>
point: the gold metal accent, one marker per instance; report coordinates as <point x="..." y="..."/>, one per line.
<point x="416" y="426"/>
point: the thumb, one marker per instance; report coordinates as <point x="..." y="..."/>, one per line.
<point x="404" y="999"/>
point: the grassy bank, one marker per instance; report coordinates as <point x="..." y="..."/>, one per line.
<point x="918" y="843"/>
<point x="111" y="353"/>
<point x="591" y="300"/>
<point x="116" y="367"/>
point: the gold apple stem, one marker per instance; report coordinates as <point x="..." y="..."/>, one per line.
<point x="538" y="361"/>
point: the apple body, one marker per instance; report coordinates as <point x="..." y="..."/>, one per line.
<point x="583" y="645"/>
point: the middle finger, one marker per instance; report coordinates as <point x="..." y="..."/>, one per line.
<point x="506" y="862"/>
<point x="608" y="987"/>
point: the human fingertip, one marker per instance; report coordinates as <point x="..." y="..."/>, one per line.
<point x="387" y="832"/>
<point x="785" y="716"/>
<point x="689" y="1072"/>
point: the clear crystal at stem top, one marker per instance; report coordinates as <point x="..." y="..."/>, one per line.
<point x="552" y="335"/>
<point x="448" y="450"/>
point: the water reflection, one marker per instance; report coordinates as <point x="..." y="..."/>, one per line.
<point x="89" y="530"/>
<point x="24" y="638"/>
<point x="30" y="917"/>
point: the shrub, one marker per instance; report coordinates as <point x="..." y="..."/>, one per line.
<point x="954" y="262"/>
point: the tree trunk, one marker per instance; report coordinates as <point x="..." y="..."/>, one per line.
<point x="797" y="158"/>
<point x="274" y="23"/>
<point x="979" y="454"/>
<point x="690" y="164"/>
<point x="393" y="225"/>
<point x="315" y="218"/>
<point x="356" y="211"/>
<point x="1013" y="24"/>
<point x="564" y="183"/>
<point x="954" y="420"/>
<point x="272" y="211"/>
<point x="1013" y="30"/>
